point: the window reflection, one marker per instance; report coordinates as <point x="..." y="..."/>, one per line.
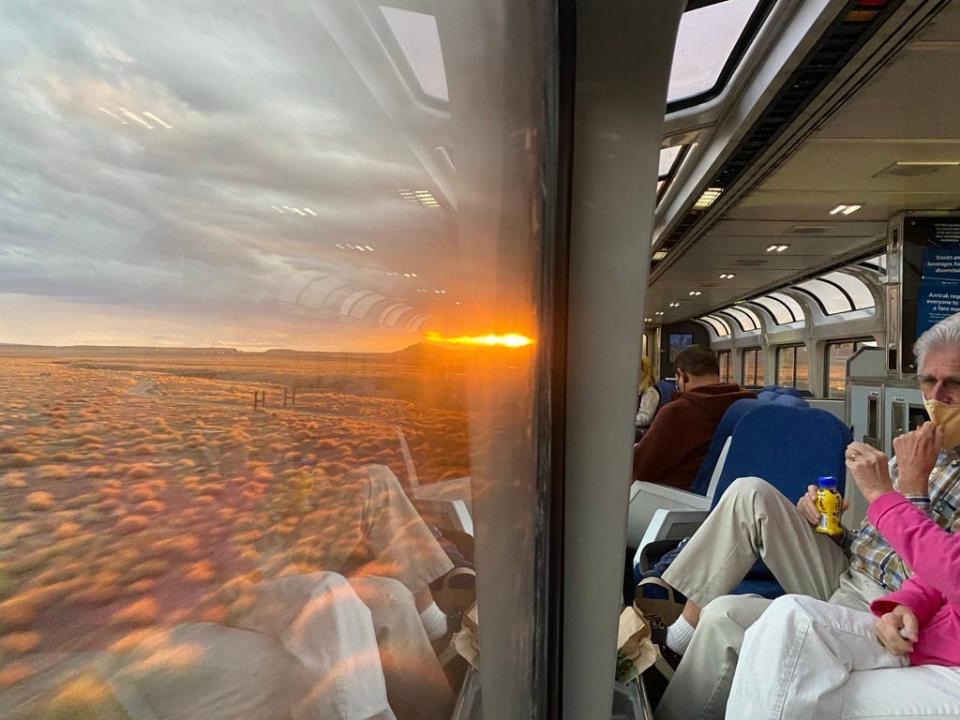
<point x="239" y="462"/>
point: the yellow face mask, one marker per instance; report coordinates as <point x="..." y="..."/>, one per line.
<point x="946" y="417"/>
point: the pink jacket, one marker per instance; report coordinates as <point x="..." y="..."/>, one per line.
<point x="933" y="591"/>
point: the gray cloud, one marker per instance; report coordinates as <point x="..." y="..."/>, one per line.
<point x="98" y="210"/>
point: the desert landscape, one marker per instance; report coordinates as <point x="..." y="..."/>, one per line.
<point x="141" y="488"/>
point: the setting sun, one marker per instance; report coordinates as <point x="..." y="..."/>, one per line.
<point x="512" y="340"/>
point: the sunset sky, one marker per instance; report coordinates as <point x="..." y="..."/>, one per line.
<point x="147" y="157"/>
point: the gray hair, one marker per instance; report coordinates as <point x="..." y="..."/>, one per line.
<point x="945" y="332"/>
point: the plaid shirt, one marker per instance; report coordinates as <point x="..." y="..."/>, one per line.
<point x="870" y="553"/>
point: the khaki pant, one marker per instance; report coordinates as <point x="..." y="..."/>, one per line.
<point x="367" y="515"/>
<point x="314" y="648"/>
<point x="752" y="520"/>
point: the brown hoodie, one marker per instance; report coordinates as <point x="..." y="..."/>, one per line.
<point x="673" y="448"/>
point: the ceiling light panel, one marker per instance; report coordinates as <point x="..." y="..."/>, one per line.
<point x="708" y="198"/>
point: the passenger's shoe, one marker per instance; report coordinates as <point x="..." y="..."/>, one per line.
<point x="658" y="633"/>
<point x="456" y="592"/>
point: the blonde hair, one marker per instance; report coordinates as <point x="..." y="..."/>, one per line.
<point x="646" y="374"/>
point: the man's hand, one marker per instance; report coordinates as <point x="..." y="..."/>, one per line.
<point x="868" y="467"/>
<point x="897" y="630"/>
<point x="807" y="505"/>
<point x="916" y="453"/>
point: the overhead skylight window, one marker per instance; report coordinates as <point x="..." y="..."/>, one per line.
<point x="419" y="39"/>
<point x="859" y="293"/>
<point x="746" y="319"/>
<point x="668" y="156"/>
<point x="795" y="309"/>
<point x="832" y="299"/>
<point x="710" y="42"/>
<point x="780" y="312"/>
<point x="719" y="326"/>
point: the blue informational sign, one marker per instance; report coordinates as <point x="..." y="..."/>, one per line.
<point x="938" y="295"/>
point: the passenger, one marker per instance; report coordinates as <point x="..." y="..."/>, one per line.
<point x="797" y="658"/>
<point x="648" y="398"/>
<point x="366" y="525"/>
<point x="674" y="446"/>
<point x="307" y="651"/>
<point x="753" y="520"/>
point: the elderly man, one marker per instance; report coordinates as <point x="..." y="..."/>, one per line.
<point x="754" y="521"/>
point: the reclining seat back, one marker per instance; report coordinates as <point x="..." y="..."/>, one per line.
<point x="701" y="483"/>
<point x="789" y="447"/>
<point x="667" y="390"/>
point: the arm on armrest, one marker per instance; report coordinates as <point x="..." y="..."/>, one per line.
<point x="668" y="525"/>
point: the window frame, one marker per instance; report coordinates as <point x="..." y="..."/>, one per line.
<point x="747" y="36"/>
<point x="664" y="181"/>
<point x="857" y="342"/>
<point x="794" y="347"/>
<point x="727" y="355"/>
<point x="756" y="350"/>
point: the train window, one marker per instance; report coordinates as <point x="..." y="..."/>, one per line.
<point x="240" y="316"/>
<point x="719" y="325"/>
<point x="723" y="357"/>
<point x="419" y="40"/>
<point x="860" y="295"/>
<point x="793" y="367"/>
<point x="670" y="159"/>
<point x="710" y="42"/>
<point x="838" y="292"/>
<point x="746" y="318"/>
<point x="838" y="353"/>
<point x="831" y="298"/>
<point x="753" y="371"/>
<point x="783" y="308"/>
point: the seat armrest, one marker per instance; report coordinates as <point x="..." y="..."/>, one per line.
<point x="668" y="525"/>
<point x="452" y="514"/>
<point x="646" y="499"/>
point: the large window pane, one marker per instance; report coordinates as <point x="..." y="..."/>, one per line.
<point x="723" y="357"/>
<point x="855" y="288"/>
<point x="837" y="356"/>
<point x="802" y="377"/>
<point x="831" y="298"/>
<point x="668" y="156"/>
<point x="746" y="319"/>
<point x="791" y="303"/>
<point x="780" y="312"/>
<point x="705" y="40"/>
<point x="262" y="365"/>
<point x="786" y="362"/>
<point x="419" y="39"/>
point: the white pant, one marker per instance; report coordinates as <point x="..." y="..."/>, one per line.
<point x="806" y="659"/>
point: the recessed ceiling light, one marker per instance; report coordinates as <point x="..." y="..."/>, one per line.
<point x="659" y="312"/>
<point x="648" y="319"/>
<point x="777" y="248"/>
<point x="659" y="255"/>
<point x="846" y="208"/>
<point x="708" y="198"/>
<point x="695" y="293"/>
<point x="674" y="304"/>
<point x="727" y="276"/>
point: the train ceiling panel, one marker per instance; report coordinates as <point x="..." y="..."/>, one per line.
<point x="905" y="113"/>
